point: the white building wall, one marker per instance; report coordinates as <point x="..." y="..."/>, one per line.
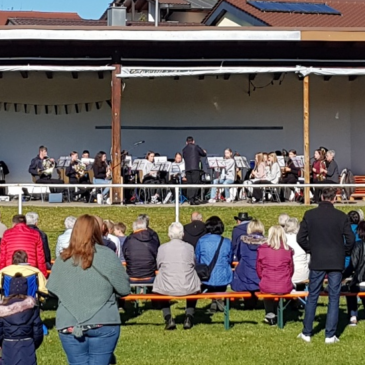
<point x="185" y="103"/>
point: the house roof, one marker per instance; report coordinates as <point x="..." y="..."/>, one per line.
<point x="5" y="15"/>
<point x="55" y="21"/>
<point x="352" y="14"/>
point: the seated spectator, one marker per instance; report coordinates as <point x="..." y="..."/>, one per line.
<point x="32" y="219"/>
<point x="361" y="214"/>
<point x="140" y="252"/>
<point x="245" y="276"/>
<point x="300" y="258"/>
<point x="21" y="237"/>
<point x="104" y="232"/>
<point x="195" y="229"/>
<point x="21" y="266"/>
<point x="146" y="218"/>
<point x="355" y="220"/>
<point x="63" y="241"/>
<point x="275" y="269"/>
<point x="242" y="220"/>
<point x="119" y="231"/>
<point x="110" y="236"/>
<point x="176" y="274"/>
<point x="283" y="217"/>
<point x="3" y="228"/>
<point x="205" y="250"/>
<point x="21" y="330"/>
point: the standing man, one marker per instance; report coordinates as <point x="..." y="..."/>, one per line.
<point x="192" y="154"/>
<point x="325" y="233"/>
<point x="194" y="230"/>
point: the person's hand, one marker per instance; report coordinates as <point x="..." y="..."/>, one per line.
<point x="205" y="151"/>
<point x="314" y="170"/>
<point x="184" y="179"/>
<point x="52" y="159"/>
<point x="287" y="169"/>
<point x="322" y="170"/>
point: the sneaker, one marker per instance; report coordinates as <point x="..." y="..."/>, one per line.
<point x="108" y="201"/>
<point x="229" y="200"/>
<point x="212" y="201"/>
<point x="330" y="340"/>
<point x="304" y="337"/>
<point x="168" y="196"/>
<point x="353" y="321"/>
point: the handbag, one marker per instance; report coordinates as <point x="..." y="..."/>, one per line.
<point x="203" y="270"/>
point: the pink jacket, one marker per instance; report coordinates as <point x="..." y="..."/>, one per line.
<point x="275" y="269"/>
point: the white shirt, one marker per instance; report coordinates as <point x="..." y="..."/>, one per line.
<point x="116" y="241"/>
<point x="301" y="259"/>
<point x="63" y="241"/>
<point x="274" y="174"/>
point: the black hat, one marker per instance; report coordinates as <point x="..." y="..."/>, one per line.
<point x="243" y="217"/>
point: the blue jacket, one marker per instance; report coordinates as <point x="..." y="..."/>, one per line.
<point x="238" y="231"/>
<point x="245" y="276"/>
<point x="205" y="250"/>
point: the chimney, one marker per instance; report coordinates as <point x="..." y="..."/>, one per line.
<point x="117" y="15"/>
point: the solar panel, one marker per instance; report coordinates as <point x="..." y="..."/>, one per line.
<point x="284" y="7"/>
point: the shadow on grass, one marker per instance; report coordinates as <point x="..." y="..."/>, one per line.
<point x="342" y="322"/>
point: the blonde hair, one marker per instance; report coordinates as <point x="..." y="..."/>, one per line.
<point x="277" y="238"/>
<point x="273" y="155"/>
<point x="260" y="158"/>
<point x="291" y="226"/>
<point x="255" y="226"/>
<point x="283" y="218"/>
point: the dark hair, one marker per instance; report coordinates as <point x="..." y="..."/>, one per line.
<point x="178" y="153"/>
<point x="354" y="217"/>
<point x="293" y="151"/>
<point x="149" y="153"/>
<point x="19" y="218"/>
<point x="214" y="225"/>
<point x="190" y="139"/>
<point x="43" y="148"/>
<point x="86" y="151"/>
<point x="329" y="194"/>
<point x="73" y="153"/>
<point x="98" y="162"/>
<point x="361" y="230"/>
<point x="19" y="257"/>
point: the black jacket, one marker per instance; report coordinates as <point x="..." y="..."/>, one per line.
<point x="47" y="251"/>
<point x="357" y="263"/>
<point x="35" y="166"/>
<point x="140" y="252"/>
<point x="19" y="320"/>
<point x="325" y="232"/>
<point x="191" y="155"/>
<point x="193" y="231"/>
<point x="100" y="171"/>
<point x="110" y="244"/>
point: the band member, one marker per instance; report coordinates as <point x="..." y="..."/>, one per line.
<point x="177" y="175"/>
<point x="42" y="167"/>
<point x="102" y="172"/>
<point x="151" y="177"/>
<point x="227" y="176"/>
<point x="191" y="155"/>
<point x="290" y="173"/>
<point x="76" y="172"/>
<point x="85" y="154"/>
<point x="319" y="162"/>
<point x="259" y="172"/>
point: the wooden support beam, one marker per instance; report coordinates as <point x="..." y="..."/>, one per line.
<point x="75" y="75"/>
<point x="352" y="77"/>
<point x="116" y="193"/>
<point x="327" y="78"/>
<point x="24" y="74"/>
<point x="306" y="138"/>
<point x="49" y="74"/>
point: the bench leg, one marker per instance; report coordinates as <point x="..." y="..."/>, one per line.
<point x="226" y="315"/>
<point x="281" y="314"/>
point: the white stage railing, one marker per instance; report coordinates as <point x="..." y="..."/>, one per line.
<point x="165" y="186"/>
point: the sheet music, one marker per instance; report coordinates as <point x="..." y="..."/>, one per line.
<point x="138" y="164"/>
<point x="164" y="166"/>
<point x="241" y="162"/>
<point x="177" y="168"/>
<point x="88" y="161"/>
<point x="127" y="161"/>
<point x="216" y="162"/>
<point x="298" y="161"/>
<point x="64" y="161"/>
<point x="281" y="161"/>
<point x="160" y="159"/>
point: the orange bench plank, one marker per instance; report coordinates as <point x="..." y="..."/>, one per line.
<point x="230" y="295"/>
<point x="298" y="294"/>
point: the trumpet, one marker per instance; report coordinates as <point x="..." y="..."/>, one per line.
<point x="80" y="168"/>
<point x="48" y="167"/>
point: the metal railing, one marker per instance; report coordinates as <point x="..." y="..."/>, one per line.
<point x="165" y="186"/>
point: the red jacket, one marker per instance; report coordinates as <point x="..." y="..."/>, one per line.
<point x="275" y="269"/>
<point x="21" y="237"/>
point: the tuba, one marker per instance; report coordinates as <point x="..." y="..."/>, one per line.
<point x="80" y="168"/>
<point x="48" y="166"/>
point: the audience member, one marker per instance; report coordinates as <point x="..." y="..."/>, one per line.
<point x="63" y="241"/>
<point x="195" y="229"/>
<point x="104" y="232"/>
<point x="322" y="233"/>
<point x="245" y="275"/>
<point x="119" y="231"/>
<point x="176" y="274"/>
<point x="85" y="278"/>
<point x="140" y="252"/>
<point x="275" y="269"/>
<point x="205" y="250"/>
<point x="21" y="237"/>
<point x="146" y="218"/>
<point x="21" y="266"/>
<point x="3" y="228"/>
<point x="32" y="219"/>
<point x="300" y="258"/>
<point x="21" y="329"/>
<point x="283" y="217"/>
<point x="361" y="214"/>
<point x="110" y="236"/>
<point x="242" y="220"/>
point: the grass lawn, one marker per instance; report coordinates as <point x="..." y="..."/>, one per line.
<point x="249" y="341"/>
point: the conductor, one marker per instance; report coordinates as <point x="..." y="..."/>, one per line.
<point x="192" y="154"/>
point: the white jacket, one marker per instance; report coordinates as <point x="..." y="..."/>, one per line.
<point x="274" y="174"/>
<point x="301" y="259"/>
<point x="63" y="241"/>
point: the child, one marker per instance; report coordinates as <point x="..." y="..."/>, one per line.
<point x="119" y="231"/>
<point x="21" y="330"/>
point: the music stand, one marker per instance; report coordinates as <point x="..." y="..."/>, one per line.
<point x="281" y="161"/>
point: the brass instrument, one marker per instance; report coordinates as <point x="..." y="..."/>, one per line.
<point x="48" y="167"/>
<point x="80" y="168"/>
<point x="321" y="176"/>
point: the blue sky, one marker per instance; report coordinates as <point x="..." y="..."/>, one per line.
<point x="88" y="9"/>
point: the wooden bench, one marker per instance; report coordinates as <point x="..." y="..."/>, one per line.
<point x="359" y="192"/>
<point x="227" y="296"/>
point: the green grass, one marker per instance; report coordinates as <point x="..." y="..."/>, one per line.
<point x="249" y="341"/>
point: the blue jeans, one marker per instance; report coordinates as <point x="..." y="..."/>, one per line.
<point x="334" y="288"/>
<point x="226" y="190"/>
<point x="95" y="347"/>
<point x="102" y="181"/>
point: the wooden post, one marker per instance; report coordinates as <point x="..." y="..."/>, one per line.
<point x="306" y="138"/>
<point x="116" y="196"/>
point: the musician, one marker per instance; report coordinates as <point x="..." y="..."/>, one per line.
<point x="319" y="162"/>
<point x="85" y="154"/>
<point x="37" y="168"/>
<point x="226" y="177"/>
<point x="101" y="171"/>
<point x="151" y="177"/>
<point x="76" y="178"/>
<point x="259" y="172"/>
<point x="89" y="166"/>
<point x="191" y="155"/>
<point x="177" y="175"/>
<point x="331" y="172"/>
<point x="290" y="173"/>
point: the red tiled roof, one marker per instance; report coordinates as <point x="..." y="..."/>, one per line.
<point x="5" y="15"/>
<point x="352" y="14"/>
<point x="56" y="22"/>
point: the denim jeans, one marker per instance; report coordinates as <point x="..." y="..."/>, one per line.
<point x="102" y="181"/>
<point x="95" y="347"/>
<point x="226" y="190"/>
<point x="334" y="288"/>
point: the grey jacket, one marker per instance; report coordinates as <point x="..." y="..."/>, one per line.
<point x="176" y="269"/>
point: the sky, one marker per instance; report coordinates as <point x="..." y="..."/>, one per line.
<point x="87" y="9"/>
